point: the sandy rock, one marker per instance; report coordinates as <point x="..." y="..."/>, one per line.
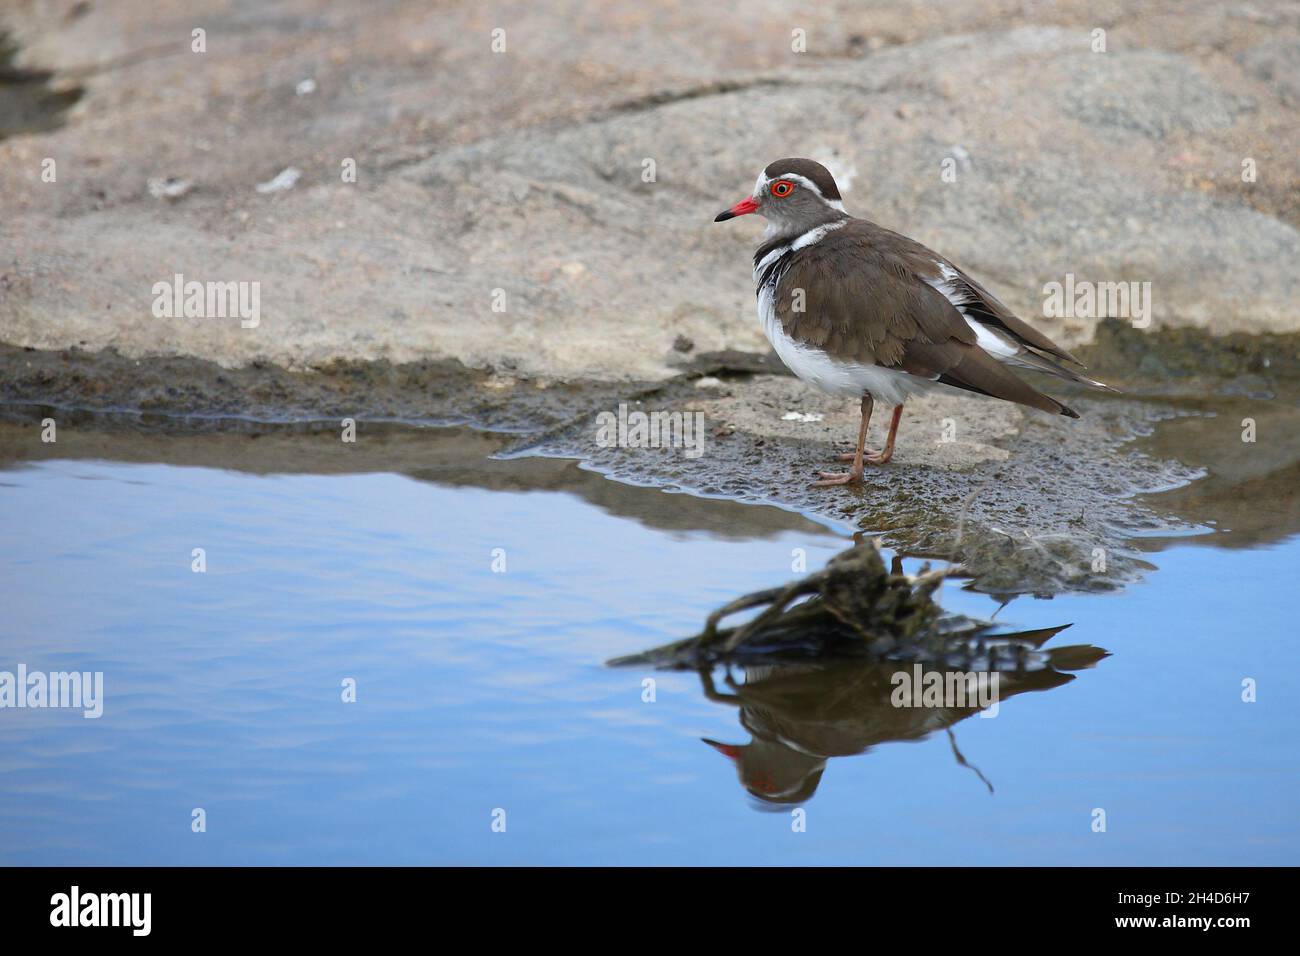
<point x="946" y="431"/>
<point x="548" y="209"/>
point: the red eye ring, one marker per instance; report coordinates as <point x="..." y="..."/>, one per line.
<point x="782" y="188"/>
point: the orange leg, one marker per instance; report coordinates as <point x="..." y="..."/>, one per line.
<point x="881" y="457"/>
<point x="829" y="478"/>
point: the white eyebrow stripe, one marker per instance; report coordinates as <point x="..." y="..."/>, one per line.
<point x="836" y="204"/>
<point x="806" y="182"/>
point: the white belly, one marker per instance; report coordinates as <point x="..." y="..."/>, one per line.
<point x="838" y="378"/>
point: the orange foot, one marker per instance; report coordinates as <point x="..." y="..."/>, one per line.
<point x="871" y="457"/>
<point x="830" y="479"/>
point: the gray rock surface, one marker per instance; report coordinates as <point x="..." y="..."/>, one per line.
<point x="521" y="171"/>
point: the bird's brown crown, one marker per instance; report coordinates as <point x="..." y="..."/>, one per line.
<point x="811" y="170"/>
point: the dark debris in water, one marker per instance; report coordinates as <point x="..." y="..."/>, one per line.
<point x="856" y="608"/>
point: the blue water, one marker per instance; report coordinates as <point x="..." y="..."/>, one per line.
<point x="480" y="690"/>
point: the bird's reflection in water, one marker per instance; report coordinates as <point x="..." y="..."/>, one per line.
<point x="801" y="714"/>
<point x="853" y="655"/>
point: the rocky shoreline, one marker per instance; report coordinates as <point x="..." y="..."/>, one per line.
<point x="1027" y="503"/>
<point x="520" y="240"/>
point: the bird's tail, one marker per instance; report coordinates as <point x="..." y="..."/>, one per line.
<point x="1041" y="363"/>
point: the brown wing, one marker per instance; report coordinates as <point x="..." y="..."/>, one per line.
<point x="861" y="303"/>
<point x="864" y="300"/>
<point x="984" y="306"/>
<point x="980" y="304"/>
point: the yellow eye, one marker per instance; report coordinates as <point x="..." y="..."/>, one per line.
<point x="782" y="187"/>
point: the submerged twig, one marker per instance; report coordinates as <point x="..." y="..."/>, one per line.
<point x="852" y="604"/>
<point x="956" y="752"/>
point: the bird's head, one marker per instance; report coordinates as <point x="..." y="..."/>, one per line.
<point x="793" y="195"/>
<point x="774" y="775"/>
